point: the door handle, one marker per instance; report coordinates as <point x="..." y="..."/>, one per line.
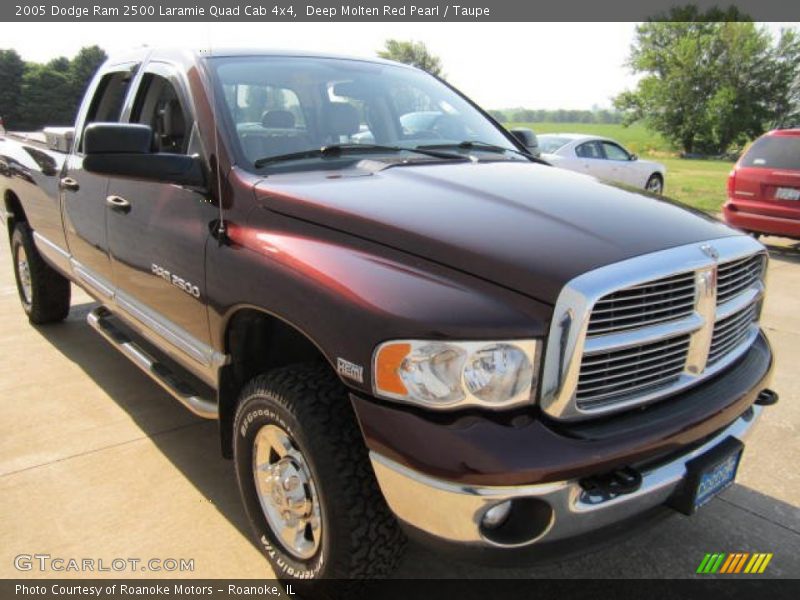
<point x="69" y="184"/>
<point x="118" y="204"/>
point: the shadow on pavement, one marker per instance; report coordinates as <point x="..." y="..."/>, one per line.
<point x="787" y="251"/>
<point x="192" y="444"/>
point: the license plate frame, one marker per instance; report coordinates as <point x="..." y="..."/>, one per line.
<point x="787" y="193"/>
<point x="708" y="475"/>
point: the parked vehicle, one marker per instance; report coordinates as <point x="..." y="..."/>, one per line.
<point x="436" y="125"/>
<point x="602" y="158"/>
<point x="764" y="186"/>
<point x="431" y="335"/>
<point x="527" y="138"/>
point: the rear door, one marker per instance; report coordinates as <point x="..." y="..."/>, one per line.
<point x="157" y="232"/>
<point x="84" y="194"/>
<point x="590" y="159"/>
<point x="767" y="177"/>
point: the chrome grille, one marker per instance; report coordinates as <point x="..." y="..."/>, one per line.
<point x="610" y="376"/>
<point x="731" y="331"/>
<point x="648" y="327"/>
<point x="736" y="276"/>
<point x="645" y="304"/>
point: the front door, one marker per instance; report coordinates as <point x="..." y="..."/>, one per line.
<point x="157" y="232"/>
<point x="620" y="168"/>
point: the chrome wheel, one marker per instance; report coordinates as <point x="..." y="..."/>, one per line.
<point x="286" y="492"/>
<point x="24" y="272"/>
<point x="654" y="185"/>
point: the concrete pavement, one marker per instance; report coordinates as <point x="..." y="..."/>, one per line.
<point x="96" y="461"/>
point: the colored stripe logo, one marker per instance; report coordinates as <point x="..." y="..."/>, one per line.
<point x="734" y="563"/>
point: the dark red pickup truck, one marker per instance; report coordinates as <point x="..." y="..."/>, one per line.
<point x="400" y="330"/>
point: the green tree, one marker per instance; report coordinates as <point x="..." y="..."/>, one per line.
<point x="12" y="68"/>
<point x="82" y="68"/>
<point x="34" y="95"/>
<point x="412" y="53"/>
<point x="710" y="84"/>
<point x="46" y="98"/>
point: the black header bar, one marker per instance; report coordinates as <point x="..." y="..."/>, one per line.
<point x="377" y="10"/>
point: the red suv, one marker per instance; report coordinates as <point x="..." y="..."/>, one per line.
<point x="764" y="186"/>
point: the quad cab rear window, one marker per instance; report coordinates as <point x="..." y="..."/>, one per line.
<point x="774" y="152"/>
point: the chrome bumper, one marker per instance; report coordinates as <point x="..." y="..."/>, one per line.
<point x="453" y="511"/>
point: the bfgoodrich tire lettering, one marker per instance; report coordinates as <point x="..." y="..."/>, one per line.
<point x="360" y="537"/>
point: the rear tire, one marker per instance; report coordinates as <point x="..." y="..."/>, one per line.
<point x="655" y="184"/>
<point x="45" y="293"/>
<point x="335" y="521"/>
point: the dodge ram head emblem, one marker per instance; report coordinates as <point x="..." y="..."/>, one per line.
<point x="710" y="251"/>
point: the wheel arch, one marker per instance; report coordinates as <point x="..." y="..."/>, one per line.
<point x="257" y="341"/>
<point x="14" y="211"/>
<point x="658" y="175"/>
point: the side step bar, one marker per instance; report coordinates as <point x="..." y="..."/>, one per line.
<point x="100" y="320"/>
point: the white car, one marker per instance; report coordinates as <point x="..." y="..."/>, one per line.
<point x="602" y="158"/>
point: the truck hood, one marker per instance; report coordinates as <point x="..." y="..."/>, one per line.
<point x="525" y="226"/>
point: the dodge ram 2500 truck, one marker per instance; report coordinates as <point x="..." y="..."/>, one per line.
<point x="429" y="333"/>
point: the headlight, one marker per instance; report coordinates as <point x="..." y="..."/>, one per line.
<point x="444" y="375"/>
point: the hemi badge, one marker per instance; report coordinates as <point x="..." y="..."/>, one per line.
<point x="350" y="370"/>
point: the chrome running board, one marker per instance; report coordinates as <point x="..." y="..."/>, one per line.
<point x="100" y="320"/>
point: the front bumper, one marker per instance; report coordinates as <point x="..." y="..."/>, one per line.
<point x="441" y="475"/>
<point x="454" y="512"/>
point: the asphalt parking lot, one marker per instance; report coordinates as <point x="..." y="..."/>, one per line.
<point x="96" y="461"/>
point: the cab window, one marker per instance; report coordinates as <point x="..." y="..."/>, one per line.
<point x="589" y="150"/>
<point x="158" y="105"/>
<point x="109" y="98"/>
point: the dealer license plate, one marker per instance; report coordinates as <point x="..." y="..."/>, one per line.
<point x="708" y="475"/>
<point x="716" y="478"/>
<point x="784" y="193"/>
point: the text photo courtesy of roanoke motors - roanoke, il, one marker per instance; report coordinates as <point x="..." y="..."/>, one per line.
<point x="358" y="299"/>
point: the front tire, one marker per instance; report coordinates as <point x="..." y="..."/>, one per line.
<point x="44" y="292"/>
<point x="306" y="481"/>
<point x="655" y="184"/>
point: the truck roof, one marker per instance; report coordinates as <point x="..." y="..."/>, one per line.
<point x="184" y="54"/>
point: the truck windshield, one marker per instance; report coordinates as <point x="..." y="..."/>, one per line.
<point x="290" y="107"/>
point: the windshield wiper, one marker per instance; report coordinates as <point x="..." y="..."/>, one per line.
<point x="479" y="145"/>
<point x="339" y="149"/>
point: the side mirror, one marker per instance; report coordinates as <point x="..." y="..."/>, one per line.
<point x="117" y="138"/>
<point x="633" y="157"/>
<point x="125" y="150"/>
<point x="527" y="138"/>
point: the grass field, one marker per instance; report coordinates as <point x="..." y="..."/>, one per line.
<point x="699" y="183"/>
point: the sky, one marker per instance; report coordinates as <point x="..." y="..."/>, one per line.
<point x="498" y="65"/>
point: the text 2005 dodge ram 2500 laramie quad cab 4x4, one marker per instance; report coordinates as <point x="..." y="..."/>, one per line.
<point x="430" y="333"/>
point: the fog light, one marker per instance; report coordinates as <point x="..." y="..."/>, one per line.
<point x="496" y="516"/>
